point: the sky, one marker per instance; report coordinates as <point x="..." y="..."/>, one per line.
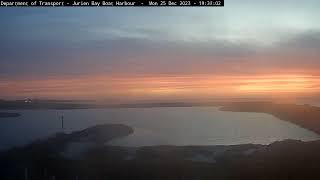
<point x="248" y="48"/>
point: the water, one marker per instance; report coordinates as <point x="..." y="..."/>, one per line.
<point x="156" y="126"/>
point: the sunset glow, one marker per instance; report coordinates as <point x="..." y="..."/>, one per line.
<point x="161" y="53"/>
<point x="103" y="86"/>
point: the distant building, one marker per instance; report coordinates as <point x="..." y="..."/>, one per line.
<point x="27" y="100"/>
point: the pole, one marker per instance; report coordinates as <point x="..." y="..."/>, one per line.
<point x="26" y="173"/>
<point x="62" y="123"/>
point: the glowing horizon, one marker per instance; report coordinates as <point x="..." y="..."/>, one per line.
<point x="195" y="86"/>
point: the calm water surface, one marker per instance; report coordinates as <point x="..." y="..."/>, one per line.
<point x="156" y="126"/>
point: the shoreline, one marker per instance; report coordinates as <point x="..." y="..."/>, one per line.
<point x="305" y="116"/>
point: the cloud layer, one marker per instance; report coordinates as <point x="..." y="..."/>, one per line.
<point x="244" y="39"/>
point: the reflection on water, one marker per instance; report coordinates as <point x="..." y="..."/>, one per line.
<point x="156" y="126"/>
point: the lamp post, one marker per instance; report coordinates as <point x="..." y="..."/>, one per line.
<point x="62" y="124"/>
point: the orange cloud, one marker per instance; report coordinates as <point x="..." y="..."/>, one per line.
<point x="202" y="86"/>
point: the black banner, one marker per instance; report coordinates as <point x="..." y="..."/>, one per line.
<point x="110" y="3"/>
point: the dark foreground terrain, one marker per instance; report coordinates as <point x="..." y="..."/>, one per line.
<point x="55" y="157"/>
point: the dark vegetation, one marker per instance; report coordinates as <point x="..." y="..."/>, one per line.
<point x="57" y="104"/>
<point x="45" y="157"/>
<point x="44" y="104"/>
